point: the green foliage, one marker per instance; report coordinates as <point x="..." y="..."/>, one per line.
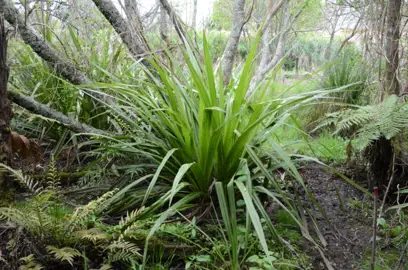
<point x="23" y="180"/>
<point x="209" y="125"/>
<point x="222" y="14"/>
<point x="392" y="239"/>
<point x="347" y="70"/>
<point x="310" y="50"/>
<point x="371" y="122"/>
<point x="30" y="263"/>
<point x="64" y="254"/>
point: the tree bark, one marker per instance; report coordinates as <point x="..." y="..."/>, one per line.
<point x="238" y="21"/>
<point x="392" y="85"/>
<point x="380" y="153"/>
<point x="131" y="31"/>
<point x="175" y="20"/>
<point x="33" y="106"/>
<point x="194" y="22"/>
<point x="268" y="62"/>
<point x="5" y="107"/>
<point x="163" y="24"/>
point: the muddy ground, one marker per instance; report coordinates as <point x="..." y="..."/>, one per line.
<point x="348" y="231"/>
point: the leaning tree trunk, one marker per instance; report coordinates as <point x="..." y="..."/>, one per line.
<point x="130" y="31"/>
<point x="5" y="107"/>
<point x="382" y="152"/>
<point x="238" y="21"/>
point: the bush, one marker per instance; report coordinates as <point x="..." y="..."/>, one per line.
<point x="349" y="71"/>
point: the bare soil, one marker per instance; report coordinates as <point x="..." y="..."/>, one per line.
<point x="348" y="231"/>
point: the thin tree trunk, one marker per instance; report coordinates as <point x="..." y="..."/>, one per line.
<point x="329" y="50"/>
<point x="5" y="107"/>
<point x="175" y="20"/>
<point x="238" y="21"/>
<point x="392" y="85"/>
<point x="267" y="35"/>
<point x="194" y="22"/>
<point x="380" y="153"/>
<point x="267" y="61"/>
<point x="164" y="25"/>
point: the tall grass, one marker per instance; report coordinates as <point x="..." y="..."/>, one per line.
<point x="347" y="70"/>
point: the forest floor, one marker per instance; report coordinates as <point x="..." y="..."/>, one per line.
<point x="349" y="229"/>
<point x="347" y="233"/>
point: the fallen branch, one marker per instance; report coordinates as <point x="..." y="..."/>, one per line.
<point x="44" y="110"/>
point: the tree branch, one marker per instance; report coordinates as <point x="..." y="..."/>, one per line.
<point x="131" y="31"/>
<point x="349" y="37"/>
<point x="42" y="47"/>
<point x="33" y="106"/>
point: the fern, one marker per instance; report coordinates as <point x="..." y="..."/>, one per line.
<point x="25" y="181"/>
<point x="30" y="263"/>
<point x="39" y="217"/>
<point x="372" y="122"/>
<point x="53" y="180"/>
<point x="94" y="235"/>
<point x="123" y="251"/>
<point x="64" y="254"/>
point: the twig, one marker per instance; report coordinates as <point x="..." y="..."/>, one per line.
<point x="388" y="186"/>
<point x="374" y="228"/>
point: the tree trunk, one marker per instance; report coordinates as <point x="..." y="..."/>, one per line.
<point x="353" y="33"/>
<point x="164" y="30"/>
<point x="194" y="22"/>
<point x="131" y="31"/>
<point x="392" y="85"/>
<point x="268" y="62"/>
<point x="175" y="20"/>
<point x="5" y="107"/>
<point x="238" y="21"/>
<point x="382" y="151"/>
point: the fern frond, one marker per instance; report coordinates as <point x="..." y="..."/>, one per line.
<point x="14" y="215"/>
<point x="95" y="207"/>
<point x="53" y="179"/>
<point x="30" y="263"/>
<point x="131" y="217"/>
<point x="106" y="267"/>
<point x="123" y="251"/>
<point x="372" y="122"/>
<point x="25" y="181"/>
<point x="64" y="254"/>
<point x="93" y="235"/>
